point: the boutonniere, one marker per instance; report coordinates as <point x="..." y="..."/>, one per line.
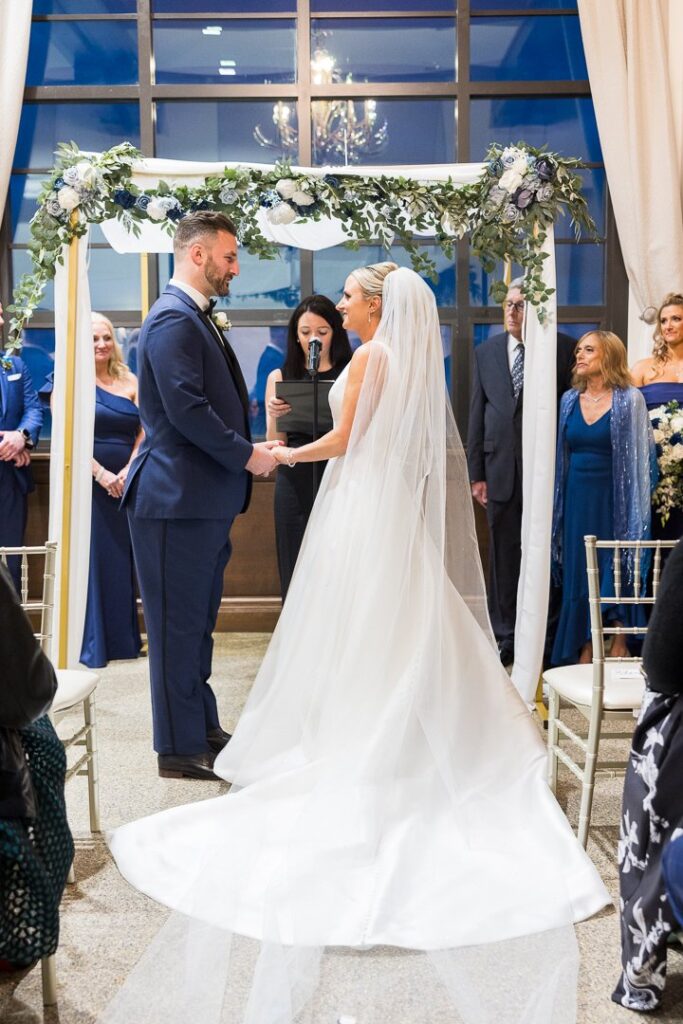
<point x="5" y="363"/>
<point x="221" y="321"/>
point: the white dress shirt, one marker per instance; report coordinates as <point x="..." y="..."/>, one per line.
<point x="512" y="350"/>
<point x="196" y="296"/>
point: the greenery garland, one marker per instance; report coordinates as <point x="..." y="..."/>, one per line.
<point x="506" y="212"/>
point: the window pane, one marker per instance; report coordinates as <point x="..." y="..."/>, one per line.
<point x="332" y="266"/>
<point x="480" y="282"/>
<point x="526" y="48"/>
<point x="483" y="331"/>
<point x="84" y="7"/>
<point x="565" y="125"/>
<point x="83" y="53"/>
<point x="577" y="330"/>
<point x="21" y="264"/>
<point x="595" y="190"/>
<point x="383" y="132"/>
<point x="222" y="130"/>
<point x="228" y="51"/>
<point x="114" y="279"/>
<point x="224" y="6"/>
<point x="499" y="5"/>
<point x="259" y="351"/>
<point x="384" y="50"/>
<point x="94" y="126"/>
<point x="262" y="284"/>
<point x="23" y="193"/>
<point x="580" y="275"/>
<point x="350" y="6"/>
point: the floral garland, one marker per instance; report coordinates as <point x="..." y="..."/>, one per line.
<point x="507" y="212"/>
<point x="667" y="423"/>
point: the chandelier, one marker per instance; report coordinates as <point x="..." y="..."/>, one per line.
<point x="343" y="130"/>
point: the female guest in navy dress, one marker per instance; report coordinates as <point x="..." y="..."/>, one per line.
<point x="111" y="629"/>
<point x="660" y="379"/>
<point x="296" y="488"/>
<point x="604" y="476"/>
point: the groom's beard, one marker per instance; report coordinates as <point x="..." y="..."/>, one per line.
<point x="219" y="283"/>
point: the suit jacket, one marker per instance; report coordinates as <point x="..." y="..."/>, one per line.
<point x="194" y="411"/>
<point x="20" y="409"/>
<point x="494" y="439"/>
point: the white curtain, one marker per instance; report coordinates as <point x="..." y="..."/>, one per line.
<point x="15" y="31"/>
<point x="633" y="51"/>
<point x="539" y="425"/>
<point x="83" y="414"/>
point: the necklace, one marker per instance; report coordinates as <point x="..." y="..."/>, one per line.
<point x="595" y="400"/>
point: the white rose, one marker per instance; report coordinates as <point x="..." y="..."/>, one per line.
<point x="521" y="164"/>
<point x="68" y="198"/>
<point x="677" y="452"/>
<point x="155" y="211"/>
<point x="87" y="173"/>
<point x="510" y="180"/>
<point x="283" y="213"/>
<point x="286" y="187"/>
<point x="301" y="198"/>
<point x="676" y="424"/>
<point x="656" y="413"/>
<point x="221" y="321"/>
<point x="658" y="436"/>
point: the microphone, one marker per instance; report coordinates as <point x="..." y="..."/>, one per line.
<point x="314" y="350"/>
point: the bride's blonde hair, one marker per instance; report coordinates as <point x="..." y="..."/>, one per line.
<point x="371" y="278"/>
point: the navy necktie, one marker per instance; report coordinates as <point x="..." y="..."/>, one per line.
<point x="517" y="371"/>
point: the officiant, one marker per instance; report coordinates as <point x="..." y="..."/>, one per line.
<point x="296" y="488"/>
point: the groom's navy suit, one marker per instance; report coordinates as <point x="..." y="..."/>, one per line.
<point x="494" y="454"/>
<point x="183" y="491"/>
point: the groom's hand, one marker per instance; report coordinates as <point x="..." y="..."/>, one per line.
<point x="262" y="462"/>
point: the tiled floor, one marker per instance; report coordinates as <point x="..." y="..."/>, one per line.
<point x="106" y="925"/>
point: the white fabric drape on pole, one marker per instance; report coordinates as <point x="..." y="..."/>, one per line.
<point x="633" y="52"/>
<point x="539" y="427"/>
<point x="15" y="32"/>
<point x="83" y="414"/>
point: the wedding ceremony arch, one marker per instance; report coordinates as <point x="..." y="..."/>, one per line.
<point x="506" y="205"/>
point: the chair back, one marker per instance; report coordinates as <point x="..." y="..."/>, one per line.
<point x="641" y="590"/>
<point x="43" y="608"/>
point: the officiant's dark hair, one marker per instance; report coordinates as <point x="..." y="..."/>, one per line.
<point x="294" y="366"/>
<point x="198" y="226"/>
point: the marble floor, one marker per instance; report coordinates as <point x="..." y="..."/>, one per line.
<point x="106" y="926"/>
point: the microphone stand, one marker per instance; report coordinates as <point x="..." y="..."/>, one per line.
<point x="314" y="350"/>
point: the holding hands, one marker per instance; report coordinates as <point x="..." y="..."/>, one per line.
<point x="263" y="460"/>
<point x="12" y="445"/>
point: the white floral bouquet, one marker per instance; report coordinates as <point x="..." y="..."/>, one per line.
<point x="667" y="425"/>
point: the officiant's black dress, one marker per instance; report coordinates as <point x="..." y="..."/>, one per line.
<point x="295" y="491"/>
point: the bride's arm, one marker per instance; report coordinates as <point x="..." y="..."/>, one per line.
<point x="335" y="442"/>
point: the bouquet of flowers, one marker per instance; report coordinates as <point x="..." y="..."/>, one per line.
<point x="667" y="425"/>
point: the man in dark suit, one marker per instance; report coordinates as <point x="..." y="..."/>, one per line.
<point x="188" y="482"/>
<point x="21" y="418"/>
<point x="494" y="455"/>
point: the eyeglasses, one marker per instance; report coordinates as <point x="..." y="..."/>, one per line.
<point x="517" y="306"/>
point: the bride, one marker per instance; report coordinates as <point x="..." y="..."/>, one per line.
<point x="389" y="848"/>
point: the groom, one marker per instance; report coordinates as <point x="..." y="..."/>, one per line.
<point x="189" y="481"/>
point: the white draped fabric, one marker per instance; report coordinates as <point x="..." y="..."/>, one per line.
<point x="83" y="417"/>
<point x="633" y="51"/>
<point x="539" y="427"/>
<point x="538" y="431"/>
<point x="15" y="31"/>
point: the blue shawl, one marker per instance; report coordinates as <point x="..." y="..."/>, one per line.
<point x="634" y="471"/>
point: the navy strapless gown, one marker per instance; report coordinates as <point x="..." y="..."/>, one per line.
<point x="656" y="394"/>
<point x="588" y="509"/>
<point x="111" y="624"/>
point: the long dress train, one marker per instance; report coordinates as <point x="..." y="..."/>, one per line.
<point x="388" y="782"/>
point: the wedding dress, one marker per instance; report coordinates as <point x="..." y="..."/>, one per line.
<point x="390" y="848"/>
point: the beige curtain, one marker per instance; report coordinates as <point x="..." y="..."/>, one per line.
<point x="15" y="30"/>
<point x="633" y="52"/>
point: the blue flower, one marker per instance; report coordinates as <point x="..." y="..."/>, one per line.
<point x="176" y="213"/>
<point x="143" y="201"/>
<point x="59" y="183"/>
<point x="228" y="195"/>
<point x="522" y="198"/>
<point x="270" y="198"/>
<point x="124" y="198"/>
<point x="496" y="168"/>
<point x="545" y="168"/>
<point x="332" y="181"/>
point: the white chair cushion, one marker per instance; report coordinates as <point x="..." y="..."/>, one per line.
<point x="73" y="686"/>
<point x="624" y="685"/>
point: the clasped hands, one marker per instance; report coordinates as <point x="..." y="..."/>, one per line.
<point x="13" y="448"/>
<point x="266" y="456"/>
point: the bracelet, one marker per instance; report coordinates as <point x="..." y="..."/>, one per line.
<point x="290" y="459"/>
<point x="99" y="474"/>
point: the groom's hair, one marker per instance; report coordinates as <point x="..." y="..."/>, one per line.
<point x="202" y="226"/>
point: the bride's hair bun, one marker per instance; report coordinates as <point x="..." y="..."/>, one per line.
<point x="371" y="279"/>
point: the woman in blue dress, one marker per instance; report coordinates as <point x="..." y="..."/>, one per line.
<point x="660" y="379"/>
<point x="111" y="629"/>
<point x="604" y="476"/>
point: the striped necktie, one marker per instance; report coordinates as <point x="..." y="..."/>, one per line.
<point x="517" y="371"/>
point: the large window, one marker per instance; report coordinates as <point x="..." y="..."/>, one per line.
<point x="324" y="82"/>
